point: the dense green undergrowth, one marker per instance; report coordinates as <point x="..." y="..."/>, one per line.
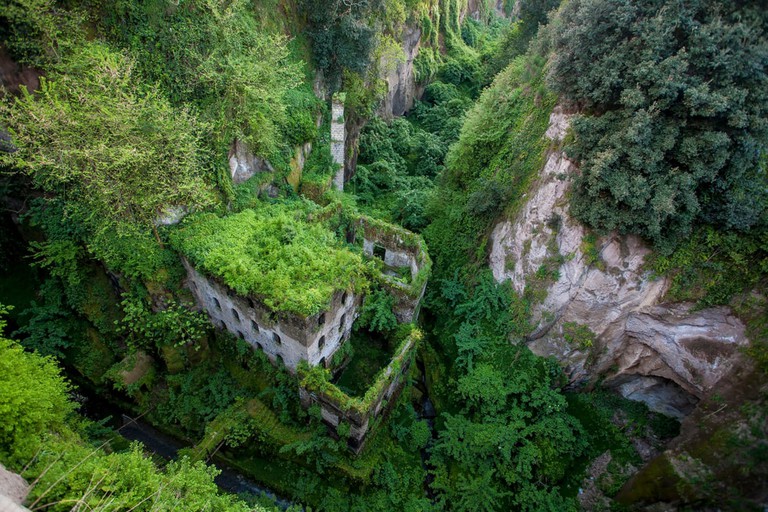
<point x="138" y="113"/>
<point x="43" y="439"/>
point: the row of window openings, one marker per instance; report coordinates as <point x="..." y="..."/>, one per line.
<point x="255" y="326"/>
<point x="275" y="337"/>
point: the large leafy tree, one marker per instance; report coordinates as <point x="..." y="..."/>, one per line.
<point x="675" y="96"/>
<point x="115" y="150"/>
<point x="341" y="35"/>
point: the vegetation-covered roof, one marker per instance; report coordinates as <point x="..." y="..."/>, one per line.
<point x="272" y="254"/>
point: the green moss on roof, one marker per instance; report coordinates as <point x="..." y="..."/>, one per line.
<point x="272" y="254"/>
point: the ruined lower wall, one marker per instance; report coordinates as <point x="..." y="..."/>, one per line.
<point x="281" y="336"/>
<point x="362" y="414"/>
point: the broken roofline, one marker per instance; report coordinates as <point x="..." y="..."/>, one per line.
<point x="391" y="236"/>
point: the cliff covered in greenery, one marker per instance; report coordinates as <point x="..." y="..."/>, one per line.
<point x="216" y="116"/>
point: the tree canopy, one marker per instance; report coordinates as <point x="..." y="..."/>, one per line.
<point x="114" y="148"/>
<point x="675" y="101"/>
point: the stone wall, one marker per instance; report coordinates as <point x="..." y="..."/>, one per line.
<point x="362" y="414"/>
<point x="399" y="249"/>
<point x="338" y="137"/>
<point x="281" y="336"/>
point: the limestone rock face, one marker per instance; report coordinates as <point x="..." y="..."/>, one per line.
<point x="666" y="355"/>
<point x="243" y="164"/>
<point x="402" y="89"/>
<point x="13" y="491"/>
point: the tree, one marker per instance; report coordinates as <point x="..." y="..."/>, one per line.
<point x="340" y="35"/>
<point x="675" y="98"/>
<point x="246" y="74"/>
<point x="114" y="149"/>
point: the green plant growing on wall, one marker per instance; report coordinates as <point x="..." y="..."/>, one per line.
<point x="578" y="334"/>
<point x="376" y="313"/>
<point x="176" y="325"/>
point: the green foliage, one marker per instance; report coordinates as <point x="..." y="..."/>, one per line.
<point x="712" y="265"/>
<point x="674" y="133"/>
<point x="425" y="65"/>
<point x="510" y="433"/>
<point x="71" y="472"/>
<point x="196" y="397"/>
<point x="175" y="325"/>
<point x="274" y="254"/>
<point x="38" y="32"/>
<point x="217" y="56"/>
<point x="490" y="167"/>
<point x="34" y="398"/>
<point x="247" y="76"/>
<point x="302" y="108"/>
<point x="578" y="334"/>
<point x="119" y="151"/>
<point x="341" y="36"/>
<point x="376" y="313"/>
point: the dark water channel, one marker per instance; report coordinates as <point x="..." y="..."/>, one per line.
<point x="425" y="409"/>
<point x="167" y="447"/>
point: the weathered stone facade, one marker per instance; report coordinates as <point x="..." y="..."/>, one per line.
<point x="338" y="138"/>
<point x="362" y="414"/>
<point x="282" y="336"/>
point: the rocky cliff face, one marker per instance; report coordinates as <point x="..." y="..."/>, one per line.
<point x="402" y="88"/>
<point x="599" y="311"/>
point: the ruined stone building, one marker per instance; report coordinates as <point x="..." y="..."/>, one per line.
<point x="288" y="336"/>
<point x="305" y="339"/>
<point x="284" y="337"/>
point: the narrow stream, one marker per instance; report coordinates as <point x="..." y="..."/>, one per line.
<point x="167" y="447"/>
<point x="426" y="411"/>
